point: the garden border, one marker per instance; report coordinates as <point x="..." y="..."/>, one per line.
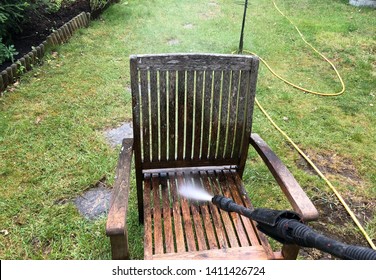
<point x="57" y="37"/>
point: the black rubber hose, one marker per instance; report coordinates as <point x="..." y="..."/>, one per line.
<point x="286" y="228"/>
<point x="297" y="233"/>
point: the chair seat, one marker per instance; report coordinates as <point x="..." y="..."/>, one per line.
<point x="178" y="228"/>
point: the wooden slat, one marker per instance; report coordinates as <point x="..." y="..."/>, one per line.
<point x="148" y="230"/>
<point x="247" y="203"/>
<point x="215" y="114"/>
<point x="189" y="115"/>
<point x="154" y="116"/>
<point x="180" y="114"/>
<point x="233" y="113"/>
<point x="145" y="115"/>
<point x="241" y="253"/>
<point x="218" y="226"/>
<point x="194" y="62"/>
<point x="233" y="241"/>
<point x="116" y="222"/>
<point x="237" y="196"/>
<point x="192" y="163"/>
<point x="235" y="217"/>
<point x="171" y="113"/>
<point x="196" y="217"/>
<point x="163" y="114"/>
<point x="136" y="113"/>
<point x="207" y="111"/>
<point x="223" y="127"/>
<point x="198" y="114"/>
<point x="241" y="115"/>
<point x="178" y="224"/>
<point x="167" y="221"/>
<point x="157" y="217"/>
<point x="186" y="213"/>
<point x="206" y="217"/>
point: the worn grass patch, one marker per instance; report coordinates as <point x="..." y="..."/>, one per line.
<point x="51" y="130"/>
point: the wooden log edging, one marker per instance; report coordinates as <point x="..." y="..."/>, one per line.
<point x="34" y="57"/>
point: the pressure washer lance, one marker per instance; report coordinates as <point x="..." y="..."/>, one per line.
<point x="287" y="227"/>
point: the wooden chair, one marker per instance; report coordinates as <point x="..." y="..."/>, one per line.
<point x="192" y="120"/>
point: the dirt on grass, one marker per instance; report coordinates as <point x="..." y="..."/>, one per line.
<point x="334" y="220"/>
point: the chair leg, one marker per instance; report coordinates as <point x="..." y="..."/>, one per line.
<point x="119" y="247"/>
<point x="290" y="252"/>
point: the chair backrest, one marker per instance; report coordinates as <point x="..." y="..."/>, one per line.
<point x="192" y="110"/>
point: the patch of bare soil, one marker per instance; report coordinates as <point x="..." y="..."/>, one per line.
<point x="331" y="164"/>
<point x="334" y="221"/>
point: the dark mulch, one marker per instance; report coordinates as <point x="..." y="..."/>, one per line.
<point x="40" y="23"/>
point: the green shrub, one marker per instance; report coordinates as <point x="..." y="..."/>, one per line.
<point x="11" y="15"/>
<point x="98" y="4"/>
<point x="7" y="52"/>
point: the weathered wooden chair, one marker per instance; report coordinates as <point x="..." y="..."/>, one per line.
<point x="192" y="120"/>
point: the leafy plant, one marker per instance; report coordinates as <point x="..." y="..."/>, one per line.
<point x="11" y="14"/>
<point x="7" y="52"/>
<point x="98" y="4"/>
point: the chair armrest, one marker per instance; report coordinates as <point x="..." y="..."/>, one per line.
<point x="291" y="188"/>
<point x="116" y="221"/>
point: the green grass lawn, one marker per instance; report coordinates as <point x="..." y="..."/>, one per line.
<point x="52" y="145"/>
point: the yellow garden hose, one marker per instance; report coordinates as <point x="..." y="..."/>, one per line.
<point x="350" y="212"/>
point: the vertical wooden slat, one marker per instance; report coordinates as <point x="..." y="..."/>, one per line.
<point x="61" y="35"/>
<point x="197" y="221"/>
<point x="215" y="114"/>
<point x="39" y="52"/>
<point x="206" y="217"/>
<point x="233" y="112"/>
<point x="14" y="71"/>
<point x="236" y="218"/>
<point x="148" y="236"/>
<point x="181" y="113"/>
<point x="10" y="75"/>
<point x="251" y="91"/>
<point x="70" y="27"/>
<point x="241" y="114"/>
<point x="145" y="115"/>
<point x="80" y="21"/>
<point x="167" y="223"/>
<point x="28" y="62"/>
<point x="189" y="115"/>
<point x="233" y="241"/>
<point x="218" y="226"/>
<point x="136" y="112"/>
<point x="2" y="84"/>
<point x="163" y="114"/>
<point x="206" y="116"/>
<point x="157" y="217"/>
<point x="178" y="224"/>
<point x="223" y="127"/>
<point x="188" y="226"/>
<point x="198" y="114"/>
<point x="171" y="113"/>
<point x="154" y="116"/>
<point x="248" y="204"/>
<point x="237" y="197"/>
<point x="74" y="24"/>
<point x="35" y="54"/>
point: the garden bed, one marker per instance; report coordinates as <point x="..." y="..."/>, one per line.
<point x="44" y="23"/>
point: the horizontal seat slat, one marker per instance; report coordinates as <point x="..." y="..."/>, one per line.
<point x="240" y="253"/>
